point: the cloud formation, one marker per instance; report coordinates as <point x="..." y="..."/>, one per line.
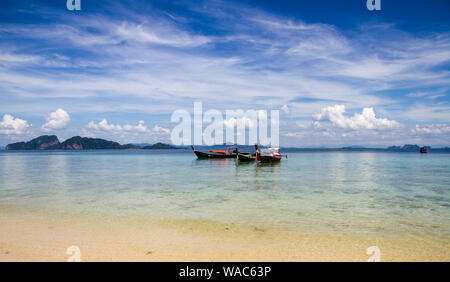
<point x="163" y="36"/>
<point x="365" y="120"/>
<point x="58" y="119"/>
<point x="124" y="61"/>
<point x="105" y="126"/>
<point x="10" y="125"/>
<point x="127" y="133"/>
<point x="434" y="129"/>
<point x="160" y="129"/>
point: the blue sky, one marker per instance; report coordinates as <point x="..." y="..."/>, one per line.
<point x="339" y="73"/>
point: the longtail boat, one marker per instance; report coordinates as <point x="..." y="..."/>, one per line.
<point x="246" y="157"/>
<point x="268" y="155"/>
<point x="424" y="150"/>
<point x="215" y="154"/>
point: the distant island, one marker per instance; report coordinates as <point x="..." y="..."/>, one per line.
<point x="51" y="142"/>
<point x="356" y="148"/>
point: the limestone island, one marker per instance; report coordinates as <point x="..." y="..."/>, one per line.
<point x="51" y="142"/>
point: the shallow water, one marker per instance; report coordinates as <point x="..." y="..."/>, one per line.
<point x="390" y="195"/>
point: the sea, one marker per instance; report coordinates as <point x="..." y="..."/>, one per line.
<point x="385" y="194"/>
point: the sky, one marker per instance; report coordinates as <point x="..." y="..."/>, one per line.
<point x="339" y="74"/>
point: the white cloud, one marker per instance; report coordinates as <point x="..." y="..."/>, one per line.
<point x="127" y="128"/>
<point x="430" y="94"/>
<point x="373" y="68"/>
<point x="127" y="133"/>
<point x="17" y="58"/>
<point x="365" y="120"/>
<point x="160" y="129"/>
<point x="285" y="109"/>
<point x="166" y="36"/>
<point x="303" y="124"/>
<point x="140" y="127"/>
<point x="105" y="126"/>
<point x="434" y="129"/>
<point x="275" y="24"/>
<point x="248" y="119"/>
<point x="306" y="56"/>
<point x="323" y="45"/>
<point x="234" y="122"/>
<point x="10" y="125"/>
<point x="58" y="119"/>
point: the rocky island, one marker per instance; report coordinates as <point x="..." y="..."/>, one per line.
<point x="40" y="143"/>
<point x="51" y="142"/>
<point x="159" y="146"/>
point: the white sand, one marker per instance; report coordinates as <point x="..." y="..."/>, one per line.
<point x="40" y="236"/>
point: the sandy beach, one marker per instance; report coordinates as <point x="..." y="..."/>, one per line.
<point x="42" y="236"/>
<point x="225" y="131"/>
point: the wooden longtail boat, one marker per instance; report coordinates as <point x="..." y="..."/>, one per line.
<point x="213" y="154"/>
<point x="268" y="156"/>
<point x="246" y="157"/>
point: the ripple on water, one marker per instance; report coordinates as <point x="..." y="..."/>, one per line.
<point x="358" y="193"/>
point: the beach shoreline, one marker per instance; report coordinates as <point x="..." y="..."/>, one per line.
<point x="40" y="236"/>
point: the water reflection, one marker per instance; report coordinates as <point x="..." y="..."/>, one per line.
<point x="213" y="162"/>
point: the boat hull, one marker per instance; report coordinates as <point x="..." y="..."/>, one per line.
<point x="268" y="159"/>
<point x="246" y="158"/>
<point x="203" y="155"/>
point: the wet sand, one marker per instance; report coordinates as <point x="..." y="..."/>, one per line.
<point x="43" y="236"/>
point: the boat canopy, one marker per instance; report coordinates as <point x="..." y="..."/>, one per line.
<point x="270" y="152"/>
<point x="221" y="152"/>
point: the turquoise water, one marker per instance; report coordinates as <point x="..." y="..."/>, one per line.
<point x="358" y="193"/>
